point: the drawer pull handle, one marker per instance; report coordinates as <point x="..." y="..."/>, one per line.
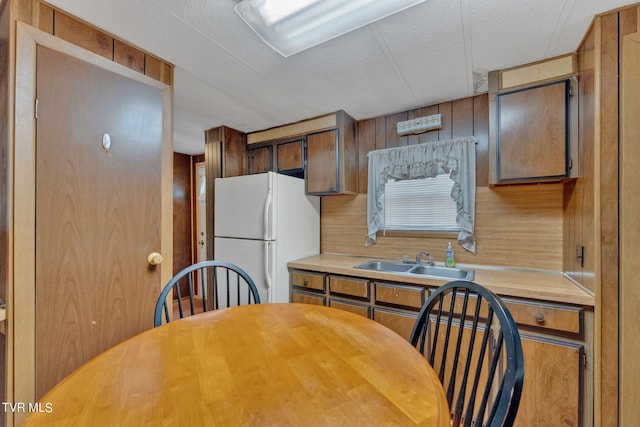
<point x="540" y="318"/>
<point x="305" y="282"/>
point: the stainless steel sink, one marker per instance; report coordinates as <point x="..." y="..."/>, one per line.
<point x="393" y="267"/>
<point x="418" y="270"/>
<point x="452" y="273"/>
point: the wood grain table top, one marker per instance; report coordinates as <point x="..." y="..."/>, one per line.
<point x="255" y="365"/>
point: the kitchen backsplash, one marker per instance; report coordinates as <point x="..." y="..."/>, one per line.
<point x="518" y="226"/>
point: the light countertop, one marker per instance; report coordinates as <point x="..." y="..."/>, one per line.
<point x="513" y="282"/>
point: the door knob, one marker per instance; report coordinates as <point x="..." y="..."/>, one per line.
<point x="155" y="258"/>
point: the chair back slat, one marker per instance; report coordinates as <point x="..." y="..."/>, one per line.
<point x="436" y="332"/>
<point x="221" y="280"/>
<point x="216" y="296"/>
<point x="477" y="377"/>
<point x="191" y="293"/>
<point x="203" y="288"/>
<point x="468" y="366"/>
<point x="493" y="368"/>
<point x="228" y="290"/>
<point x="179" y="295"/>
<point x="472" y="342"/>
<point x="456" y="354"/>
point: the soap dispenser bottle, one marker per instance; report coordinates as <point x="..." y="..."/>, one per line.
<point x="449" y="260"/>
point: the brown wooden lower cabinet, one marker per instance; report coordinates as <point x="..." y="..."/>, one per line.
<point x="401" y="322"/>
<point x="558" y="379"/>
<point x="551" y="394"/>
<point x="395" y="305"/>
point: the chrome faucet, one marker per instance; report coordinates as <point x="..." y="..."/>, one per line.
<point x="429" y="258"/>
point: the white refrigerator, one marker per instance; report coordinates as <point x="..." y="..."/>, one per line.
<point x="261" y="222"/>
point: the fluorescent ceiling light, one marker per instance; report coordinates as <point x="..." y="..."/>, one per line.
<point x="291" y="26"/>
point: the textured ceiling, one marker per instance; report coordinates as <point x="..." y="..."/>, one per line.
<point x="225" y="75"/>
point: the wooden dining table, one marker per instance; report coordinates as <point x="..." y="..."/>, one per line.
<point x="254" y="365"/>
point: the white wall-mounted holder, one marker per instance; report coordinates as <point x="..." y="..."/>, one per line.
<point x="106" y="142"/>
<point x="420" y="125"/>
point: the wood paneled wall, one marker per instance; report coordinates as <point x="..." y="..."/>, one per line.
<point x="460" y="118"/>
<point x="5" y="137"/>
<point x="629" y="230"/>
<point x="182" y="212"/>
<point x="591" y="214"/>
<point x="56" y="22"/>
<point x="517" y="226"/>
<point x="225" y="152"/>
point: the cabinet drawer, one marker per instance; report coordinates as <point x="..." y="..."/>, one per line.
<point x="527" y="313"/>
<point x="362" y="310"/>
<point x="349" y="286"/>
<point x="304" y="298"/>
<point x="546" y="315"/>
<point x="405" y="296"/>
<point x="308" y="280"/>
<point x="399" y="322"/>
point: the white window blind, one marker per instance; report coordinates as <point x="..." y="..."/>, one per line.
<point x="419" y="204"/>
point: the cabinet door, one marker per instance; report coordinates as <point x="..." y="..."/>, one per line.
<point x="551" y="391"/>
<point x="322" y="163"/>
<point x="290" y="156"/>
<point x="260" y="159"/>
<point x="398" y="321"/>
<point x="532" y="133"/>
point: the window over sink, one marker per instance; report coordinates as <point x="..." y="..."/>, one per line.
<point x="420" y="180"/>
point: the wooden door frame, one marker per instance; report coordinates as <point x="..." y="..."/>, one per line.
<point x="22" y="174"/>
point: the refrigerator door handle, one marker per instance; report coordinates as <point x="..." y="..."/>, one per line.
<point x="267" y="211"/>
<point x="267" y="263"/>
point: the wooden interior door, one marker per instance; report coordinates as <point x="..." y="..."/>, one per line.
<point x="98" y="211"/>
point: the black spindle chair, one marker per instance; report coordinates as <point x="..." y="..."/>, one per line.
<point x="207" y="285"/>
<point x="480" y="364"/>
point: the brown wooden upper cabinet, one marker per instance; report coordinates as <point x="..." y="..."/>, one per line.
<point x="290" y="157"/>
<point x="332" y="158"/>
<point x="322" y="150"/>
<point x="260" y="159"/>
<point x="533" y="127"/>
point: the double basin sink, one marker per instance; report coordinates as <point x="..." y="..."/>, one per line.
<point x="422" y="270"/>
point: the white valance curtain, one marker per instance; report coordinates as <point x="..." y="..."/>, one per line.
<point x="457" y="157"/>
